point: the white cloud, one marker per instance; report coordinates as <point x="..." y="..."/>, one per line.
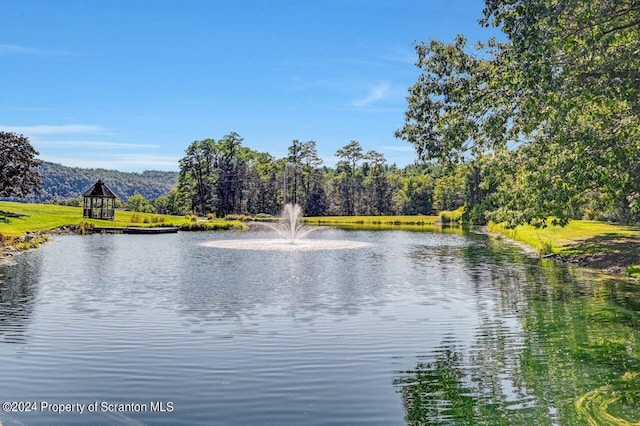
<point x="122" y="162"/>
<point x="407" y="148"/>
<point x="376" y="93"/>
<point x="91" y="144"/>
<point x="26" y="50"/>
<point x="329" y="160"/>
<point x="52" y="129"/>
<point x="88" y="146"/>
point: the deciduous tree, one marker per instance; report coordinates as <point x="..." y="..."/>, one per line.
<point x="18" y="164"/>
<point x="561" y="92"/>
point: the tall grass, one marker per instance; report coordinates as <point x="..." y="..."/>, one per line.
<point x="371" y="220"/>
<point x="452" y="216"/>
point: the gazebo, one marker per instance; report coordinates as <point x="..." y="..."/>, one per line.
<point x="99" y="202"/>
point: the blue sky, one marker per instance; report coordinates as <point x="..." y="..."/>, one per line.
<point x="129" y="84"/>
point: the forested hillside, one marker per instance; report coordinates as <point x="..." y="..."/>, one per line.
<point x="60" y="182"/>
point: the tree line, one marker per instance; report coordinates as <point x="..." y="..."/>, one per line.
<point x="224" y="177"/>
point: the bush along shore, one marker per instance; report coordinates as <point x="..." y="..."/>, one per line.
<point x="12" y="245"/>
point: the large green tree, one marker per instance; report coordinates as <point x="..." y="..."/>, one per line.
<point x="349" y="178"/>
<point x="560" y="93"/>
<point x="197" y="178"/>
<point x="18" y="166"/>
<point x="231" y="169"/>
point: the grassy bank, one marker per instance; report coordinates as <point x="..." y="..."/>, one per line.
<point x="590" y="243"/>
<point x="18" y="218"/>
<point x="372" y="220"/>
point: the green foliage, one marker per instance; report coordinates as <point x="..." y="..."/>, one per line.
<point x="19" y="165"/>
<point x="372" y="220"/>
<point x="222" y="178"/>
<point x="136" y="218"/>
<point x="448" y="192"/>
<point x="84" y="227"/>
<point x="239" y="217"/>
<point x="633" y="271"/>
<point x="216" y="225"/>
<point x="138" y="203"/>
<point x="561" y="127"/>
<point x="454" y="216"/>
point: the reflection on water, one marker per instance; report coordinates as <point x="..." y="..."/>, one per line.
<point x="18" y="291"/>
<point x="558" y="346"/>
<point x="417" y="328"/>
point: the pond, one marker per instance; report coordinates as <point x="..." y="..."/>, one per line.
<point x="444" y="327"/>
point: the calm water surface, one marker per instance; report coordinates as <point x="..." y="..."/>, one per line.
<point x="419" y="328"/>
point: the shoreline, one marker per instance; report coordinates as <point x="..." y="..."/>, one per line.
<point x="610" y="263"/>
<point x="34" y="240"/>
<point x="600" y="258"/>
<point x="610" y="256"/>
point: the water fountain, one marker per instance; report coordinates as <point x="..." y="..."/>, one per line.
<point x="290" y="226"/>
<point x="292" y="234"/>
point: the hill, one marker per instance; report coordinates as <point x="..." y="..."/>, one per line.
<point x="61" y="182"/>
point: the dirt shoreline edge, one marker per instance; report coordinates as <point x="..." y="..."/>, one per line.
<point x="605" y="258"/>
<point x="30" y="241"/>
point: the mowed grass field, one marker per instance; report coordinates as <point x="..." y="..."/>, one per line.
<point x="27" y="217"/>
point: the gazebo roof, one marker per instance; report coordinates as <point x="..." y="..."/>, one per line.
<point x="99" y="189"/>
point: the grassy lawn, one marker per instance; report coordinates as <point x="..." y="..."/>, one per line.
<point x="45" y="217"/>
<point x="579" y="238"/>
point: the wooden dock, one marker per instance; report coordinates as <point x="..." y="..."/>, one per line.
<point x="135" y="230"/>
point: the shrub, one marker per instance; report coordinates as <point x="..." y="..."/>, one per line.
<point x="211" y="226"/>
<point x="452" y="215"/>
<point x="633" y="271"/>
<point x="136" y="218"/>
<point x="157" y="219"/>
<point x="240" y="217"/>
<point x="545" y="248"/>
<point x="84" y="227"/>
